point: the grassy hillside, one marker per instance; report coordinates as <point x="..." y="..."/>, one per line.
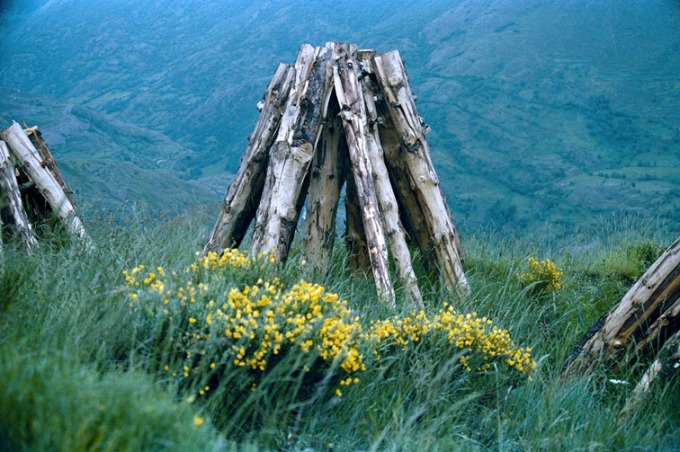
<point x="89" y="338"/>
<point x="558" y="112"/>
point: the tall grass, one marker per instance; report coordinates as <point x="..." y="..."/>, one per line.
<point x="81" y="369"/>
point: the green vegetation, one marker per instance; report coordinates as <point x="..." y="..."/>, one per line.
<point x="92" y="356"/>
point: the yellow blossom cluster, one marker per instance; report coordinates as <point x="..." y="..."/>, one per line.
<point x="228" y="320"/>
<point x="252" y="323"/>
<point x="544" y="275"/>
<point x="472" y="335"/>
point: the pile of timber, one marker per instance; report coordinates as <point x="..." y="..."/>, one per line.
<point x="644" y="326"/>
<point x="339" y="117"/>
<point x="31" y="188"/>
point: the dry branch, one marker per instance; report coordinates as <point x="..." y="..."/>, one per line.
<point x="396" y="237"/>
<point x="331" y="131"/>
<point x="326" y="179"/>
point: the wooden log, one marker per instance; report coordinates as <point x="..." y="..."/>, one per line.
<point x="396" y="237"/>
<point x="411" y="212"/>
<point x="36" y="138"/>
<point x="292" y="153"/>
<point x="393" y="81"/>
<point x="28" y="159"/>
<point x="326" y="180"/>
<point x="359" y="258"/>
<point x="11" y="199"/>
<point x="629" y="320"/>
<point x="663" y="369"/>
<point x="353" y="114"/>
<point x="245" y="191"/>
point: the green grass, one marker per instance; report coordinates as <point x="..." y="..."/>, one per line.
<point x="82" y="370"/>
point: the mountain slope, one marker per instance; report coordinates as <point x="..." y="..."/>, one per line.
<point x="558" y="111"/>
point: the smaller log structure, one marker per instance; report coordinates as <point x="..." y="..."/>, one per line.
<point x="31" y="187"/>
<point x="643" y="326"/>
<point x="342" y="117"/>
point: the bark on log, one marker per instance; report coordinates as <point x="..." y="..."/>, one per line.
<point x="29" y="161"/>
<point x="396" y="238"/>
<point x="629" y="321"/>
<point x="245" y="191"/>
<point x="393" y="80"/>
<point x="11" y="199"/>
<point x="353" y="114"/>
<point x="326" y="180"/>
<point x="292" y="153"/>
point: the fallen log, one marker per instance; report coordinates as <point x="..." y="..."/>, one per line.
<point x="29" y="161"/>
<point x="11" y="200"/>
<point x="646" y="315"/>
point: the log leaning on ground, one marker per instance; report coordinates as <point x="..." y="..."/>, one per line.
<point x="30" y="162"/>
<point x="330" y="132"/>
<point x="9" y="187"/>
<point x="646" y="316"/>
<point x="292" y="154"/>
<point x="327" y="176"/>
<point x="663" y="369"/>
<point x="245" y="191"/>
<point x="396" y="237"/>
<point x="353" y="114"/>
<point x="392" y="79"/>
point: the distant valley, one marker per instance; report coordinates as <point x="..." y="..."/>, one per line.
<point x="556" y="112"/>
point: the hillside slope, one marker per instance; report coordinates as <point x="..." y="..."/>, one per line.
<point x="559" y="111"/>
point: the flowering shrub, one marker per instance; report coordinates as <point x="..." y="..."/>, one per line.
<point x="543" y="276"/>
<point x="229" y="314"/>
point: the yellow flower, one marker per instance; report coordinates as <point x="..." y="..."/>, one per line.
<point x="198" y="421"/>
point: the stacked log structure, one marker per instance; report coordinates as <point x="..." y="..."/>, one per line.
<point x="29" y="173"/>
<point x="342" y="117"/>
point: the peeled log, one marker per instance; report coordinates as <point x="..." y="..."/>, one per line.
<point x="11" y="198"/>
<point x="245" y="191"/>
<point x="353" y="114"/>
<point x="291" y="154"/>
<point x="653" y="300"/>
<point x="30" y="163"/>
<point x="392" y="78"/>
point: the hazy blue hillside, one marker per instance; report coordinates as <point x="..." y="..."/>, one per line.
<point x="557" y="111"/>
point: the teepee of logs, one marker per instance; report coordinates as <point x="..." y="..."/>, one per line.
<point x="28" y="173"/>
<point x="341" y="116"/>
